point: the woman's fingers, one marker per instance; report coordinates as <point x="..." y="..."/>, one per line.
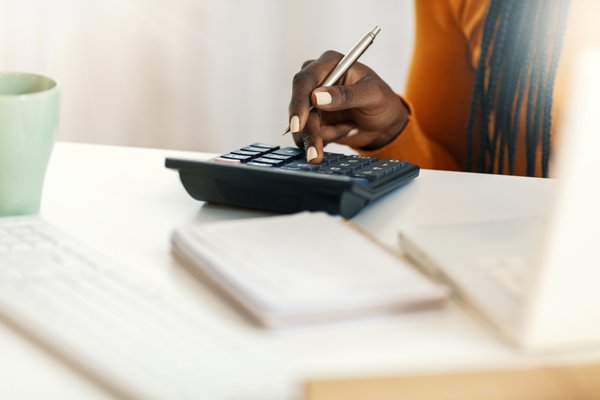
<point x="360" y="110"/>
<point x="333" y="133"/>
<point x="366" y="93"/>
<point x="310" y="139"/>
<point x="357" y="138"/>
<point x="304" y="82"/>
<point x="317" y="135"/>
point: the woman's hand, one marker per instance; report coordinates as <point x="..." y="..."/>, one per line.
<point x="361" y="110"/>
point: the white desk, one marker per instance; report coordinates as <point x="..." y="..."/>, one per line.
<point x="125" y="203"/>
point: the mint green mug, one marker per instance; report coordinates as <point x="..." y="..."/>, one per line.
<point x="28" y="123"/>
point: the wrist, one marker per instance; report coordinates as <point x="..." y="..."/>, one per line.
<point x="390" y="134"/>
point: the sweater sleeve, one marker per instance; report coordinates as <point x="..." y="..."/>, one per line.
<point x="414" y="145"/>
<point x="439" y="85"/>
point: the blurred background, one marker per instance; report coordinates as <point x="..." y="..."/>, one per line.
<point x="207" y="75"/>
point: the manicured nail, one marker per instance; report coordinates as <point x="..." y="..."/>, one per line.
<point x="352" y="132"/>
<point x="294" y="124"/>
<point x="323" y="98"/>
<point x="311" y="153"/>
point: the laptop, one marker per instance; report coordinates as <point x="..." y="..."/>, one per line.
<point x="537" y="279"/>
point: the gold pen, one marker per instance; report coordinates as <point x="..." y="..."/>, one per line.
<point x="347" y="61"/>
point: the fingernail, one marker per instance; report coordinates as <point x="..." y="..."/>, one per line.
<point x="323" y="98"/>
<point x="352" y="132"/>
<point x="294" y="124"/>
<point x="311" y="153"/>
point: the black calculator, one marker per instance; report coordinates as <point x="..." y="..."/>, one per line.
<point x="272" y="178"/>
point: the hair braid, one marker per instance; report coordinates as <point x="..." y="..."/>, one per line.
<point x="520" y="49"/>
<point x="556" y="51"/>
<point x="478" y="84"/>
<point x="491" y="99"/>
<point x="510" y="77"/>
<point x="524" y="54"/>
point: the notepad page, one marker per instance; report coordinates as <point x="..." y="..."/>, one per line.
<point x="307" y="262"/>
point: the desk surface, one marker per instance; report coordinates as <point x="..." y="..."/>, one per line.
<point x="123" y="202"/>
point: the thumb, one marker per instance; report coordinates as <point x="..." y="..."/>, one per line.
<point x="336" y="98"/>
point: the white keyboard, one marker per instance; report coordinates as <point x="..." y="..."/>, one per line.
<point x="511" y="273"/>
<point x="130" y="334"/>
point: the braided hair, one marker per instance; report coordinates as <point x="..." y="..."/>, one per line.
<point x="520" y="50"/>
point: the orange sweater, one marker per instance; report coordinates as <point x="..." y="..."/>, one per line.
<point x="438" y="90"/>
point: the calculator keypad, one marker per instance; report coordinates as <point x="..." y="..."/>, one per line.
<point x="363" y="169"/>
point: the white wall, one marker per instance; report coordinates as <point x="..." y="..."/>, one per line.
<point x="190" y="74"/>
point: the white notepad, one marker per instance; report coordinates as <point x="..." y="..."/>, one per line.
<point x="303" y="268"/>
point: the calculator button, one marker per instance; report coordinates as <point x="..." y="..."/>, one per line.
<point x="270" y="147"/>
<point x="240" y="157"/>
<point x="268" y="161"/>
<point x="258" y="164"/>
<point x="247" y="153"/>
<point x="356" y="162"/>
<point x="371" y="173"/>
<point x="277" y="156"/>
<point x="289" y="151"/>
<point x="222" y="160"/>
<point x="362" y="181"/>
<point x="345" y="165"/>
<point x="362" y="158"/>
<point x="400" y="163"/>
<point x="260" y="150"/>
<point x="331" y="157"/>
<point x="327" y="173"/>
<point x="389" y="164"/>
<point x="303" y="165"/>
<point x="380" y="170"/>
<point x="366" y="175"/>
<point x="334" y="170"/>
